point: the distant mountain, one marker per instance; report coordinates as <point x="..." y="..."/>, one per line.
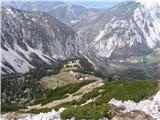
<point x="128" y="29"/>
<point x="65" y="12"/>
<point x="31" y="39"/>
<point x="96" y="4"/>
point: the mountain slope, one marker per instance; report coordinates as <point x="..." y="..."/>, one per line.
<point x="128" y="29"/>
<point x="31" y="39"/>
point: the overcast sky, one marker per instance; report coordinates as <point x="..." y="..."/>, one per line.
<point x="94" y="0"/>
<point x="68" y="0"/>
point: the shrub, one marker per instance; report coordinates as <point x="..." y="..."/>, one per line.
<point x="124" y="90"/>
<point x="10" y="108"/>
<point x="128" y="90"/>
<point x="37" y="111"/>
<point x="133" y="74"/>
<point x="60" y="92"/>
<point x="89" y="112"/>
<point x="87" y="97"/>
<point x="99" y="74"/>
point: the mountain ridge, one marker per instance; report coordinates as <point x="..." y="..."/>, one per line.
<point x="113" y="24"/>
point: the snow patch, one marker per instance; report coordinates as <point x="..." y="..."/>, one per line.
<point x="9" y="11"/>
<point x="33" y="19"/>
<point x="74" y="21"/>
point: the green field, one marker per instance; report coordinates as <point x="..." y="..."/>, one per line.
<point x="153" y="59"/>
<point x="150" y="59"/>
<point x="58" y="80"/>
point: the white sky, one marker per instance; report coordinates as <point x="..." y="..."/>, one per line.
<point x="67" y="0"/>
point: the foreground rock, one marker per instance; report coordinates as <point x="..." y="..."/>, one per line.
<point x="135" y="115"/>
<point x="128" y="108"/>
<point x="53" y="115"/>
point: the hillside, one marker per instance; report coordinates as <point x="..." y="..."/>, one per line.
<point x="95" y="103"/>
<point x="21" y="90"/>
